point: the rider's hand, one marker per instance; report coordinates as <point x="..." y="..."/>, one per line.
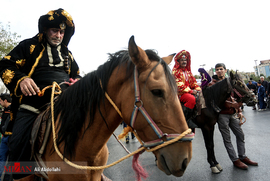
<point x="72" y="81"/>
<point x="194" y="92"/>
<point x="29" y="87"/>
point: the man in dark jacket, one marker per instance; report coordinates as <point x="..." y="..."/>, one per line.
<point x="227" y="121"/>
<point x="31" y="66"/>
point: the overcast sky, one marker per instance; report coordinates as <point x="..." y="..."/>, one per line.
<point x="234" y="32"/>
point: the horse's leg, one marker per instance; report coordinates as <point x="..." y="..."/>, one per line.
<point x="208" y="135"/>
<point x="218" y="166"/>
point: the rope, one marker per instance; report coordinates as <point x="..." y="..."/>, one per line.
<point x="114" y="163"/>
<point x="111" y="101"/>
<point x="41" y="93"/>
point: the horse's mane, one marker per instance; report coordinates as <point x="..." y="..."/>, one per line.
<point x="86" y="95"/>
<point x="212" y="94"/>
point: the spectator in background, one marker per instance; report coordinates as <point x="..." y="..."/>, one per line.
<point x="261" y="95"/>
<point x="264" y="84"/>
<point x="205" y="77"/>
<point x="253" y="82"/>
<point x="253" y="88"/>
<point x="5" y="129"/>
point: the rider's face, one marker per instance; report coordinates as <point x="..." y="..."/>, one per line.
<point x="220" y="71"/>
<point x="183" y="62"/>
<point x="55" y="36"/>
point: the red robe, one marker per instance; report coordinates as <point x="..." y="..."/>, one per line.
<point x="185" y="81"/>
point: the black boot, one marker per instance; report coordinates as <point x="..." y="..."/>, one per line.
<point x="190" y="114"/>
<point x="187" y="112"/>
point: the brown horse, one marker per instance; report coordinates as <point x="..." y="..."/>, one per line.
<point x="85" y="119"/>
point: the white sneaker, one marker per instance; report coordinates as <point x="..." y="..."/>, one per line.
<point x="259" y="110"/>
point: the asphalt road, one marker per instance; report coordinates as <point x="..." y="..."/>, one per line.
<point x="257" y="134"/>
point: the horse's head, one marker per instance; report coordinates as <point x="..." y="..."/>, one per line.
<point x="241" y="91"/>
<point x="157" y="115"/>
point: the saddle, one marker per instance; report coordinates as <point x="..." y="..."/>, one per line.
<point x="190" y="114"/>
<point x="39" y="137"/>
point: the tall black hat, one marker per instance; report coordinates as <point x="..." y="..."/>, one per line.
<point x="57" y="19"/>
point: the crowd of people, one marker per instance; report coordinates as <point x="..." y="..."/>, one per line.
<point x="261" y="91"/>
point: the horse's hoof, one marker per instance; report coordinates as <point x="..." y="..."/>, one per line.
<point x="219" y="167"/>
<point x="215" y="170"/>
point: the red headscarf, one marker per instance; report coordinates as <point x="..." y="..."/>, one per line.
<point x="179" y="56"/>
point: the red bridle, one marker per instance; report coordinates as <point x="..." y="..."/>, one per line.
<point x="161" y="136"/>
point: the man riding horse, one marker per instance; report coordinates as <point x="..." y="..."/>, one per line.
<point x="186" y="82"/>
<point x="31" y="66"/>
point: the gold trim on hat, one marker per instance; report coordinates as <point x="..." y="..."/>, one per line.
<point x="62" y="26"/>
<point x="51" y="15"/>
<point x="69" y="18"/>
<point x="50" y="12"/>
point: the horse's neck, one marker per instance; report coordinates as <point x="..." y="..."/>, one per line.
<point x="98" y="134"/>
<point x="107" y="119"/>
<point x="217" y="93"/>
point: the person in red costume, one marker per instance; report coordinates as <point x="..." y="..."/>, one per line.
<point x="186" y="82"/>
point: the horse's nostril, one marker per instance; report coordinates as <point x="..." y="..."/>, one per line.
<point x="184" y="164"/>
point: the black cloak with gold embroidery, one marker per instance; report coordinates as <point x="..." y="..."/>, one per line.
<point x="36" y="59"/>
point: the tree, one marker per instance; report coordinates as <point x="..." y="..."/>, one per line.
<point x="197" y="76"/>
<point x="8" y="40"/>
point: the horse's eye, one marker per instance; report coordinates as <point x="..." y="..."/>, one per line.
<point x="157" y="92"/>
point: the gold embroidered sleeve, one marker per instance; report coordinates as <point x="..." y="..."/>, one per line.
<point x="20" y="63"/>
<point x="179" y="83"/>
<point x="8" y="76"/>
<point x="187" y="89"/>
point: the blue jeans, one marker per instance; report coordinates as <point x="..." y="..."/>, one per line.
<point x="3" y="153"/>
<point x="262" y="103"/>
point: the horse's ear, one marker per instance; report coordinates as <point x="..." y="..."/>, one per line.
<point x="232" y="75"/>
<point x="137" y="55"/>
<point x="169" y="58"/>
